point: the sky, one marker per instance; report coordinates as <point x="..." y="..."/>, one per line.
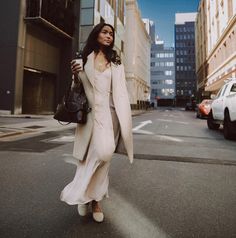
<point x="162" y="12"/>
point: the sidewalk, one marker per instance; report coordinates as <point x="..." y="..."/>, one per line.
<point x="15" y="126"/>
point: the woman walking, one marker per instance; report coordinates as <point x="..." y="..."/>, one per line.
<point x="109" y="125"/>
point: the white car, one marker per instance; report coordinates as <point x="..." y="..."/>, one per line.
<point x="223" y="110"/>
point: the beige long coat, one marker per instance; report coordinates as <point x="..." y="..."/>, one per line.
<point x="122" y="106"/>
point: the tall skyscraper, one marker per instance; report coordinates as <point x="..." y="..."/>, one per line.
<point x="162" y="74"/>
<point x="185" y="57"/>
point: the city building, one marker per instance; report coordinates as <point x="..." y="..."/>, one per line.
<point x="215" y="47"/>
<point x="185" y="57"/>
<point x="38" y="43"/>
<point x="162" y="75"/>
<point x="35" y="48"/>
<point x="201" y="48"/>
<point x="109" y="11"/>
<point x="150" y="28"/>
<point x="137" y="56"/>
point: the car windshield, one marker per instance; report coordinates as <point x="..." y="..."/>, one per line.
<point x="233" y="89"/>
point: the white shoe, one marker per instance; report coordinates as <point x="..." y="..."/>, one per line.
<point x="98" y="216"/>
<point x="83" y="209"/>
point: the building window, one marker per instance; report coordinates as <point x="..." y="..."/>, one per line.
<point x="168" y="72"/>
<point x="157" y="73"/>
<point x="169" y="64"/>
<point x="167" y="91"/>
<point x="169" y="81"/>
<point x="162" y="64"/>
<point x="87" y="3"/>
<point x="86" y="16"/>
<point x="160" y="55"/>
<point x="154" y="92"/>
<point x="230" y="9"/>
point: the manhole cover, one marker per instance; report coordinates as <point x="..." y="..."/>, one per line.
<point x="34" y="127"/>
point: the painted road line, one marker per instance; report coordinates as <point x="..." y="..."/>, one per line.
<point x="180" y="122"/>
<point x="142" y="124"/>
<point x="64" y="139"/>
<point x="169" y="138"/>
<point x="144" y="132"/>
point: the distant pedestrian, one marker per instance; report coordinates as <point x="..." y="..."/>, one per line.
<point x="109" y="125"/>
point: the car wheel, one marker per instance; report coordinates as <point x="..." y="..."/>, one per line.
<point x="229" y="127"/>
<point x="211" y="123"/>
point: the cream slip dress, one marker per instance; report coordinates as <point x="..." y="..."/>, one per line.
<point x="91" y="177"/>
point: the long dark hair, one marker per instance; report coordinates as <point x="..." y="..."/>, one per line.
<point x="93" y="45"/>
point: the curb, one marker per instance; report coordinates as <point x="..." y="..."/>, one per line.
<point x="27" y="116"/>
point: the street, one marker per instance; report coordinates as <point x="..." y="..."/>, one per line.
<point x="182" y="183"/>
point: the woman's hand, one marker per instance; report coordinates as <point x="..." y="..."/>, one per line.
<point x="75" y="67"/>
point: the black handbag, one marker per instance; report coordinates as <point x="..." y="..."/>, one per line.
<point x="74" y="106"/>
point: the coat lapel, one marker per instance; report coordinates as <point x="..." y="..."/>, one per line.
<point x="89" y="68"/>
<point x="117" y="86"/>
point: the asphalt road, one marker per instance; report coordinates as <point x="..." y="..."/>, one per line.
<point x="181" y="184"/>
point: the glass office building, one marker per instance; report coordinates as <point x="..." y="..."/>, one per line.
<point x="185" y="58"/>
<point x="162" y="75"/>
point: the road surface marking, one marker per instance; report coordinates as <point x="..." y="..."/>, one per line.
<point x="180" y="122"/>
<point x="142" y="124"/>
<point x="170" y="138"/>
<point x="143" y="132"/>
<point x="64" y="139"/>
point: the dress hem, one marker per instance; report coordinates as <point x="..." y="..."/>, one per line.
<point x="78" y="203"/>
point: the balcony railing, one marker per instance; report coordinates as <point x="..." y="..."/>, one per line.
<point x="56" y="14"/>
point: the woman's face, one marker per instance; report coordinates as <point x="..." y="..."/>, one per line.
<point x="105" y="37"/>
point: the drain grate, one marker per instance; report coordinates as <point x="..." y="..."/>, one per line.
<point x="34" y="127"/>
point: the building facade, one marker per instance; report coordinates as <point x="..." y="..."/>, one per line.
<point x="137" y="56"/>
<point x="35" y="48"/>
<point x="162" y="75"/>
<point x="216" y="47"/>
<point x="38" y="43"/>
<point x="150" y="28"/>
<point x="110" y="11"/>
<point x="201" y="49"/>
<point x="185" y="57"/>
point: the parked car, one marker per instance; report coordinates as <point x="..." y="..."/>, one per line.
<point x="223" y="110"/>
<point x="203" y="108"/>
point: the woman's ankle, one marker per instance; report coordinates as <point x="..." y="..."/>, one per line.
<point x="96" y="206"/>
